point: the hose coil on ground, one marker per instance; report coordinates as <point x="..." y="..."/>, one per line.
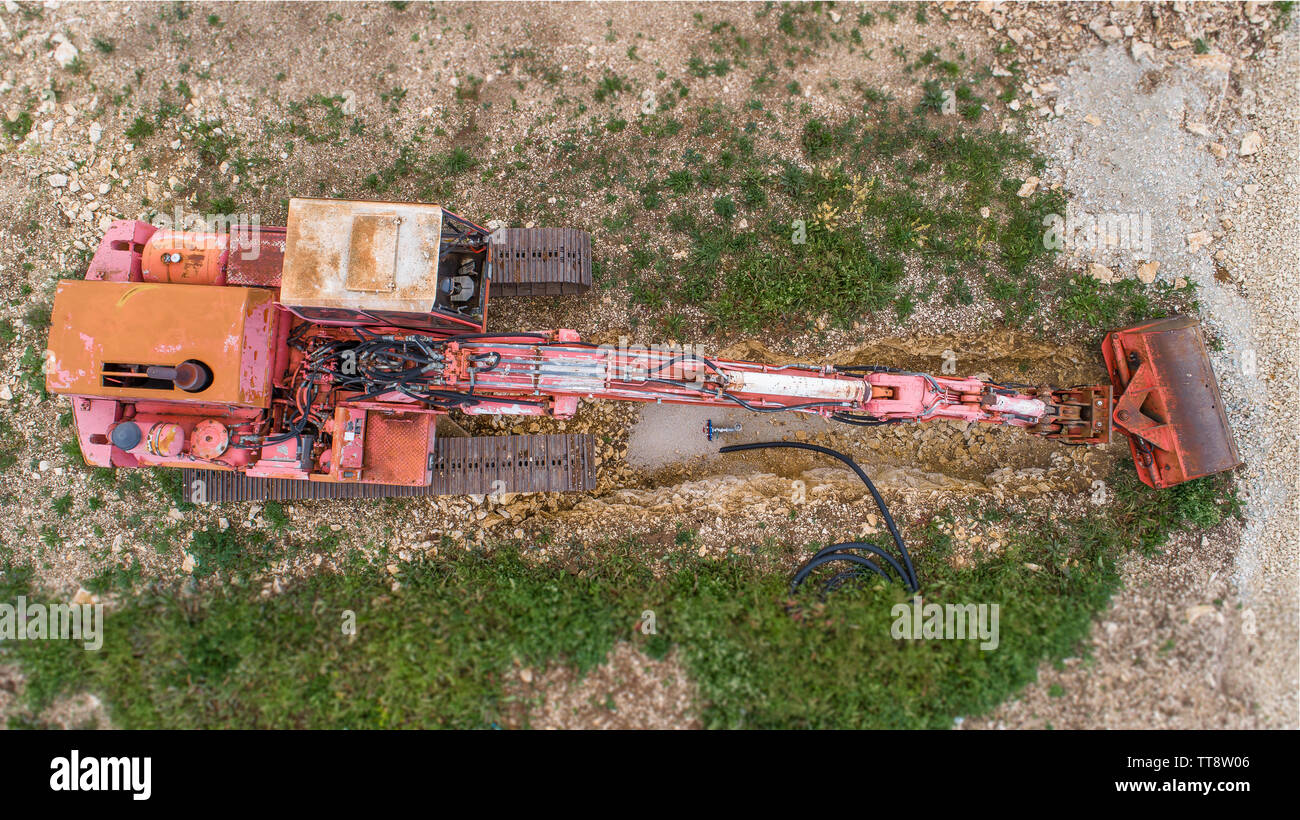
<point x="846" y="552"/>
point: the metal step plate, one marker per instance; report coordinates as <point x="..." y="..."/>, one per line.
<point x="469" y="465"/>
<point x="539" y="261"/>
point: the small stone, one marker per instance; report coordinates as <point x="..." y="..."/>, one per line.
<point x="96" y="132"/>
<point x="1028" y="187"/>
<point x="1104" y="29"/>
<point x="1200" y="129"/>
<point x="1218" y="150"/>
<point x="1100" y="272"/>
<point x="1251" y="188"/>
<point x="6" y="394"/>
<point x="1199" y="611"/>
<point x="1142" y="51"/>
<point x="1212" y="62"/>
<point x="1092" y="119"/>
<point x="187" y="565"/>
<point x="1250" y="144"/>
<point x="58" y="180"/>
<point x="1198" y="240"/>
<point x="1146" y="272"/>
<point x="65" y="54"/>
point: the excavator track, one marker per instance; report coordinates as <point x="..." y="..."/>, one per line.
<point x="465" y="465"/>
<point x="539" y="261"/>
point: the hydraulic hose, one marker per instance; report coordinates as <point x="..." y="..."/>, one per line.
<point x="835" y="552"/>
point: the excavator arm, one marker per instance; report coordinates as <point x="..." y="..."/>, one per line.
<point x="545" y="373"/>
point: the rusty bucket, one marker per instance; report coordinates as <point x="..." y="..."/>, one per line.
<point x="1168" y="401"/>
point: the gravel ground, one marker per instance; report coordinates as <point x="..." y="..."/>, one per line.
<point x="1207" y="634"/>
<point x="1126" y="110"/>
<point x="629" y="691"/>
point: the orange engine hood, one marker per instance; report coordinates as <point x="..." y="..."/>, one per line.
<point x="98" y="323"/>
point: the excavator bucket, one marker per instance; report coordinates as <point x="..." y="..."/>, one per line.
<point x="1168" y="402"/>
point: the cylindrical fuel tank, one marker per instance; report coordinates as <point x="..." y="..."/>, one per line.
<point x="166" y="440"/>
<point x="185" y="258"/>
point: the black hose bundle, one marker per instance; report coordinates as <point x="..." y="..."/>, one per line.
<point x="844" y="552"/>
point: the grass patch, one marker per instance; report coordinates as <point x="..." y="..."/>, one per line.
<point x="18" y="127"/>
<point x="1089" y="301"/>
<point x="434" y="652"/>
<point x="886" y="193"/>
<point x="429" y="177"/>
<point x="885" y="210"/>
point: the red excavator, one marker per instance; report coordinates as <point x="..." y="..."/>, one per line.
<point x="314" y="360"/>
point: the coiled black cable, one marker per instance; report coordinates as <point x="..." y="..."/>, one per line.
<point x="842" y="552"/>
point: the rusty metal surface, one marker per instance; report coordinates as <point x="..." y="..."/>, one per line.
<point x="396" y="447"/>
<point x="96" y="324"/>
<point x="255" y="259"/>
<point x="540" y="261"/>
<point x="372" y="253"/>
<point x="462" y="465"/>
<point x="118" y="257"/>
<point x="1169" y="403"/>
<point x="358" y="255"/>
<point x="185" y="258"/>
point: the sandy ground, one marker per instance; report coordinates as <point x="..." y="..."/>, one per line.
<point x="1131" y="117"/>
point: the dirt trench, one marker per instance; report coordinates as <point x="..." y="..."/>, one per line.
<point x="659" y="475"/>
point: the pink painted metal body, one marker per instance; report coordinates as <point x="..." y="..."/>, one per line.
<point x="281" y="402"/>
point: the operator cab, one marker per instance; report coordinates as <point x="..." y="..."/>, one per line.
<point x="350" y="262"/>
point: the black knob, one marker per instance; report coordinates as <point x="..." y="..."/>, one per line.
<point x="125" y="436"/>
